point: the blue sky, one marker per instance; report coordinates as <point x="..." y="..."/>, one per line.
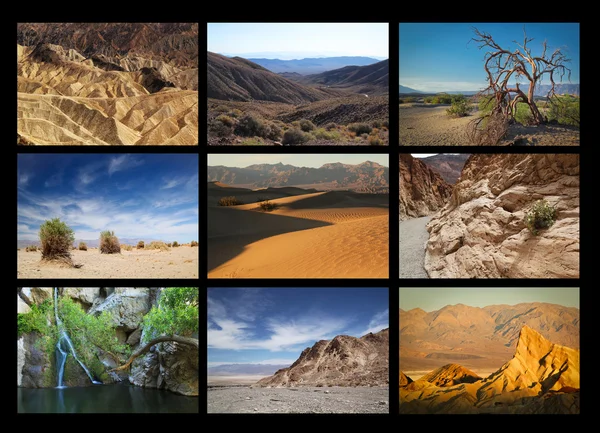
<point x="136" y="195"/>
<point x="298" y="40"/>
<point x="431" y="299"/>
<point x="274" y="325"/>
<point x="298" y="160"/>
<point x="436" y="57"/>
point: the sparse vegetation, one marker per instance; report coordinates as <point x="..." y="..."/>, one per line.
<point x="407" y="99"/>
<point x="126" y="247"/>
<point x="375" y="141"/>
<point x="157" y="245"/>
<point x="541" y="216"/>
<point x="360" y="128"/>
<point x="441" y="98"/>
<point x="267" y="206"/>
<point x="564" y="110"/>
<point x="175" y="244"/>
<point x="56" y="239"/>
<point x="229" y="201"/>
<point x="31" y="248"/>
<point x="306" y="125"/>
<point x="460" y="107"/>
<point x="82" y="246"/>
<point x="140" y="245"/>
<point x="226" y="120"/>
<point x="193" y="244"/>
<point x="109" y="243"/>
<point x="295" y="136"/>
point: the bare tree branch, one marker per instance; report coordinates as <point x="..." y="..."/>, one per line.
<point x="146" y="348"/>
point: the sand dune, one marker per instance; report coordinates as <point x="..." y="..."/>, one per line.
<point x="314" y="235"/>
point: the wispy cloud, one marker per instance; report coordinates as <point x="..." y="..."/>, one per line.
<point x="378" y="322"/>
<point x="24" y="178"/>
<point x="54" y="180"/>
<point x="123" y="162"/>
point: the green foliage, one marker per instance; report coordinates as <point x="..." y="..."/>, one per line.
<point x="175" y="244"/>
<point x="486" y="104"/>
<point x="235" y="113"/>
<point x="441" y="98"/>
<point x="523" y="114"/>
<point x="295" y="136"/>
<point x="36" y="320"/>
<point x="109" y="243"/>
<point x="407" y="100"/>
<point x="541" y="216"/>
<point x="324" y="134"/>
<point x="229" y="201"/>
<point x="140" y="245"/>
<point x="306" y="125"/>
<point x="273" y="132"/>
<point x="460" y="108"/>
<point x="56" y="239"/>
<point x="221" y="109"/>
<point x="564" y="110"/>
<point x="226" y="120"/>
<point x="194" y="244"/>
<point x="176" y="314"/>
<point x="375" y="141"/>
<point x="157" y="245"/>
<point x="331" y="126"/>
<point x="251" y="125"/>
<point x="82" y="246"/>
<point x="267" y="206"/>
<point x="254" y="141"/>
<point x="360" y="128"/>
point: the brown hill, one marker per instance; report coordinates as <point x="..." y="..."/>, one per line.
<point x="404" y="379"/>
<point x="422" y="190"/>
<point x="451" y="374"/>
<point x="481" y="233"/>
<point x="480" y="338"/>
<point x="448" y="165"/>
<point x="365" y="177"/>
<point x="239" y="79"/>
<point x="342" y="361"/>
<point x="542" y="377"/>
<point x="370" y="79"/>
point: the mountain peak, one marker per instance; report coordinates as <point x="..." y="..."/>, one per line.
<point x="451" y="374"/>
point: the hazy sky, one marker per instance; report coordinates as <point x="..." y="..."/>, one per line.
<point x="422" y="155"/>
<point x="431" y="299"/>
<point x="152" y="196"/>
<point x="304" y="39"/>
<point x="302" y="160"/>
<point x="436" y="57"/>
<point x="274" y="325"/>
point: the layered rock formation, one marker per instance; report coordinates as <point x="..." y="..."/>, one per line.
<point x="422" y="190"/>
<point x="448" y="165"/>
<point x="342" y="361"/>
<point x="481" y="233"/>
<point x="451" y="374"/>
<point x="404" y="379"/>
<point x="542" y="377"/>
<point x="168" y="365"/>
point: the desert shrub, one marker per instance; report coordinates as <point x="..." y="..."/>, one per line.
<point x="226" y="120"/>
<point x="323" y="134"/>
<point x="376" y="124"/>
<point x="169" y="245"/>
<point x="375" y="141"/>
<point x="442" y="98"/>
<point x="407" y="99"/>
<point x="385" y="124"/>
<point x="541" y="216"/>
<point x="221" y="109"/>
<point x="126" y="247"/>
<point x="82" y="246"/>
<point x="193" y="244"/>
<point x="31" y="248"/>
<point x="486" y="104"/>
<point x="273" y="132"/>
<point x="564" y="110"/>
<point x="175" y="244"/>
<point x="229" y="201"/>
<point x="140" y="245"/>
<point x="251" y="125"/>
<point x="487" y="131"/>
<point x="330" y="126"/>
<point x="306" y="125"/>
<point x="109" y="243"/>
<point x="157" y="245"/>
<point x="360" y="128"/>
<point x="523" y="114"/>
<point x="459" y="108"/>
<point x="235" y="113"/>
<point x="254" y="141"/>
<point x="267" y="206"/>
<point x="56" y="239"/>
<point x="220" y="129"/>
<point x="295" y="136"/>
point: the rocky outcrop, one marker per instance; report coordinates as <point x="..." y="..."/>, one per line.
<point x="448" y="165"/>
<point x="22" y="307"/>
<point x="422" y="190"/>
<point x="127" y="307"/>
<point x="451" y="374"/>
<point x="35" y="295"/>
<point x="84" y="296"/>
<point x="36" y="366"/>
<point x="481" y="233"/>
<point x="404" y="379"/>
<point x="342" y="361"/>
<point x="542" y="377"/>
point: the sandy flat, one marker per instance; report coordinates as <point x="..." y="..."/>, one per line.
<point x="429" y="125"/>
<point x="181" y="262"/>
<point x="314" y="235"/>
<point x="248" y="379"/>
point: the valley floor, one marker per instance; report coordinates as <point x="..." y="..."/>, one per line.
<point x="298" y="400"/>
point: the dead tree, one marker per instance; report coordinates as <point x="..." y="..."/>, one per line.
<point x="502" y="66"/>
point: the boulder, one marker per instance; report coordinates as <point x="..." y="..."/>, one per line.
<point x="134" y="338"/>
<point x="84" y="295"/>
<point x="36" y="370"/>
<point x="127" y="306"/>
<point x="37" y="295"/>
<point x="22" y="307"/>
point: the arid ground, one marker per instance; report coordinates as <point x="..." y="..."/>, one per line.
<point x="335" y="234"/>
<point x="429" y="125"/>
<point x="298" y="400"/>
<point x="180" y="262"/>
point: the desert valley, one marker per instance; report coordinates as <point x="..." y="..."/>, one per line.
<point x="283" y="221"/>
<point x="272" y="99"/>
<point x="505" y="216"/>
<point x="498" y="358"/>
<point x="107" y="83"/>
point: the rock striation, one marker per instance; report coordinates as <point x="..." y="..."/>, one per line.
<point x="480" y="232"/>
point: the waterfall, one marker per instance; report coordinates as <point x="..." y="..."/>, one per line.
<point x="64" y="347"/>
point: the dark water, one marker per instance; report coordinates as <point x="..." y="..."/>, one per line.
<point x="103" y="399"/>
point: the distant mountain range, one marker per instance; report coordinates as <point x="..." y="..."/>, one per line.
<point x="365" y="177"/>
<point x="244" y="369"/>
<point x="404" y="89"/>
<point x="449" y="166"/>
<point x="541" y="90"/>
<point x="312" y="65"/>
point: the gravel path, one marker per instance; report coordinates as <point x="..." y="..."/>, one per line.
<point x="298" y="400"/>
<point x="413" y="237"/>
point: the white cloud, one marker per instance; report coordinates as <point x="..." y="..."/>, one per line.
<point x="378" y="322"/>
<point x="23" y="178"/>
<point x="123" y="162"/>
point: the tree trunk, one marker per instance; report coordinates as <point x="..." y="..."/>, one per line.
<point x="146" y="348"/>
